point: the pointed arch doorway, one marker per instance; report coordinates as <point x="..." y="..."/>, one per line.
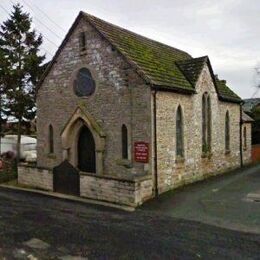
<point x="83" y="142"/>
<point x="86" y="151"/>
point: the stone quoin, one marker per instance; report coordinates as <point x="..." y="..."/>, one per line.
<point x="132" y="116"/>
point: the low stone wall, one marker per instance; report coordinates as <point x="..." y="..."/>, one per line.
<point x="131" y="192"/>
<point x="35" y="177"/>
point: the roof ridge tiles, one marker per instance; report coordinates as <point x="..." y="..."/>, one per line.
<point x="157" y="63"/>
<point x="134" y="33"/>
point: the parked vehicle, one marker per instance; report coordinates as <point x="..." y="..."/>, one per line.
<point x="27" y="149"/>
<point x="8" y="144"/>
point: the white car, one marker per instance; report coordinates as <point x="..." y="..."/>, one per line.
<point x="31" y="156"/>
<point x="27" y="149"/>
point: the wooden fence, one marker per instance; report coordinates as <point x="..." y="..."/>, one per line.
<point x="256" y="153"/>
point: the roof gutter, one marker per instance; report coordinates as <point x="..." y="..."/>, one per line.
<point x="173" y="89"/>
<point x="232" y="100"/>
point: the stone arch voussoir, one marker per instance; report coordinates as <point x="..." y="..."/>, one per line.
<point x="70" y="135"/>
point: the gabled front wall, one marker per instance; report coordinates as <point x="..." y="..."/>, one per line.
<point x="172" y="173"/>
<point x="121" y="97"/>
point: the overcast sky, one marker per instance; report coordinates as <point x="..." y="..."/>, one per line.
<point x="227" y="30"/>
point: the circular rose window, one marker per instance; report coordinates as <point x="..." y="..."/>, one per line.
<point x="84" y="85"/>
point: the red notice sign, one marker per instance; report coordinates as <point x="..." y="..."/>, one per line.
<point x="141" y="150"/>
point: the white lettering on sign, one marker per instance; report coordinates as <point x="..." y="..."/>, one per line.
<point x="141" y="152"/>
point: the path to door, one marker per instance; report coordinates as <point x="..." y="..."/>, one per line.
<point x="223" y="201"/>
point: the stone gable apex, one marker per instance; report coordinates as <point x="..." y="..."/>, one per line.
<point x="80" y="17"/>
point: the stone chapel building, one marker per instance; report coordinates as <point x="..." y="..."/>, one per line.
<point x="123" y="118"/>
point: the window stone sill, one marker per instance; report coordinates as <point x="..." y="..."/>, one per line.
<point x="124" y="162"/>
<point x="51" y="156"/>
<point x="83" y="52"/>
<point x="206" y="155"/>
<point x="180" y="160"/>
<point x="227" y="152"/>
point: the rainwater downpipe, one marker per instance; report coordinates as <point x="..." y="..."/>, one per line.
<point x="155" y="144"/>
<point x="241" y="145"/>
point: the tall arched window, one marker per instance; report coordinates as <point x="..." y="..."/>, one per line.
<point x="245" y="135"/>
<point x="227" y="132"/>
<point x="209" y="123"/>
<point x="179" y="133"/>
<point x="51" y="143"/>
<point x="124" y="142"/>
<point x="206" y="123"/>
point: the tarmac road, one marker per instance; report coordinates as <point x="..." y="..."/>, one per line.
<point x="34" y="226"/>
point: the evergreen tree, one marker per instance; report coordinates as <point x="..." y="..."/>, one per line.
<point x="19" y="45"/>
<point x="3" y="116"/>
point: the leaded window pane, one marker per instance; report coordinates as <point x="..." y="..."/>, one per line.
<point x="84" y="85"/>
<point x="82" y="41"/>
<point x="179" y="133"/>
<point x="227" y="132"/>
<point x="204" y="124"/>
<point x="51" y="143"/>
<point x="245" y="135"/>
<point x="208" y="123"/>
<point x="124" y="142"/>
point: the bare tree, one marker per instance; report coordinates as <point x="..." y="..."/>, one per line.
<point x="257" y="81"/>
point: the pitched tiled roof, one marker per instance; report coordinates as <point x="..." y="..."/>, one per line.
<point x="246" y="118"/>
<point x="163" y="65"/>
<point x="159" y="64"/>
<point x="156" y="60"/>
<point x="225" y="92"/>
<point x="192" y="68"/>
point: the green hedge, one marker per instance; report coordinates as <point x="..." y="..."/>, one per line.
<point x="7" y="177"/>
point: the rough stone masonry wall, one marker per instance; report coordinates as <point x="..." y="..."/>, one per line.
<point x="126" y="192"/>
<point x="35" y="177"/>
<point x="172" y="173"/>
<point x="121" y="97"/>
<point x="247" y="149"/>
<point x="131" y="192"/>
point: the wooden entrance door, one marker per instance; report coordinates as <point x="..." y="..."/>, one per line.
<point x="86" y="151"/>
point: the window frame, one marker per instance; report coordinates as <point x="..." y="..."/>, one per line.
<point x="179" y="133"/>
<point x="51" y="139"/>
<point x="78" y="79"/>
<point x="206" y="123"/>
<point x="82" y="41"/>
<point x="245" y="138"/>
<point x="227" y="132"/>
<point x="124" y="142"/>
